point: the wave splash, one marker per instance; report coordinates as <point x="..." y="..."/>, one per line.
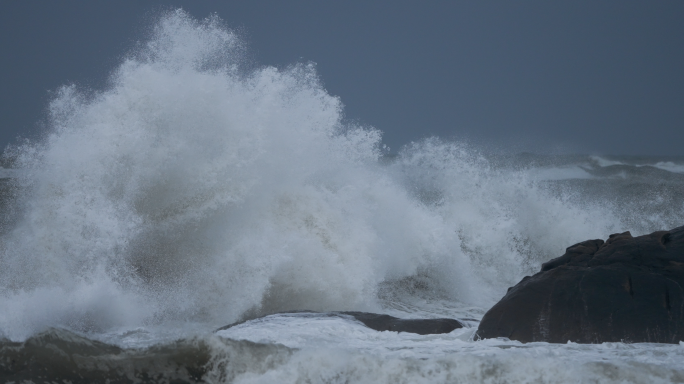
<point x="197" y="189"/>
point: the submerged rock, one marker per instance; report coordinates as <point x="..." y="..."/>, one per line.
<point x="626" y="289"/>
<point x="381" y="322"/>
<point x="419" y="326"/>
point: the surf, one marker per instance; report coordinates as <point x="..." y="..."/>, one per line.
<point x="198" y="188"/>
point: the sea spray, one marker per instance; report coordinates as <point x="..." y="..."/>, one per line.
<point x="198" y="189"/>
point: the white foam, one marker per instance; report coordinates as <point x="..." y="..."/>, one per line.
<point x="670" y="166"/>
<point x="335" y="347"/>
<point x="605" y="162"/>
<point x="9" y="173"/>
<point x="194" y="189"/>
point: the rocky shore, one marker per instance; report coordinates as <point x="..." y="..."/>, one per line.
<point x="626" y="288"/>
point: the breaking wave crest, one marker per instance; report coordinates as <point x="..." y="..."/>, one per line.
<point x="198" y="189"/>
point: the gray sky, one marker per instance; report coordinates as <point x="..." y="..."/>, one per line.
<point x="580" y="76"/>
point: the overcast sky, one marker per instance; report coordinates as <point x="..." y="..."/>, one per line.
<point x="602" y="77"/>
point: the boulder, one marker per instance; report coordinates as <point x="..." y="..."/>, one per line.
<point x="627" y="289"/>
<point x="380" y="322"/>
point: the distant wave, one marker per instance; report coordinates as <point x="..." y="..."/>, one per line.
<point x="670" y="166"/>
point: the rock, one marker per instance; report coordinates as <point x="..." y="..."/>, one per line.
<point x="381" y="323"/>
<point x="419" y="326"/>
<point x="626" y="289"/>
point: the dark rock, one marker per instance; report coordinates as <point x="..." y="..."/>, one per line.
<point x="419" y="326"/>
<point x="624" y="289"/>
<point x="381" y="323"/>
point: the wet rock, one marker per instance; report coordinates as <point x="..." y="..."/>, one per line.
<point x="624" y="289"/>
<point x="381" y="322"/>
<point x="419" y="326"/>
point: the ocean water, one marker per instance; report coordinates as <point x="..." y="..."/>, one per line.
<point x="198" y="190"/>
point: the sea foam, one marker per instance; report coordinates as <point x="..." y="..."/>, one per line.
<point x="198" y="188"/>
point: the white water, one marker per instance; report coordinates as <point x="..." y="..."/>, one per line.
<point x="669" y="166"/>
<point x="331" y="347"/>
<point x="194" y="191"/>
